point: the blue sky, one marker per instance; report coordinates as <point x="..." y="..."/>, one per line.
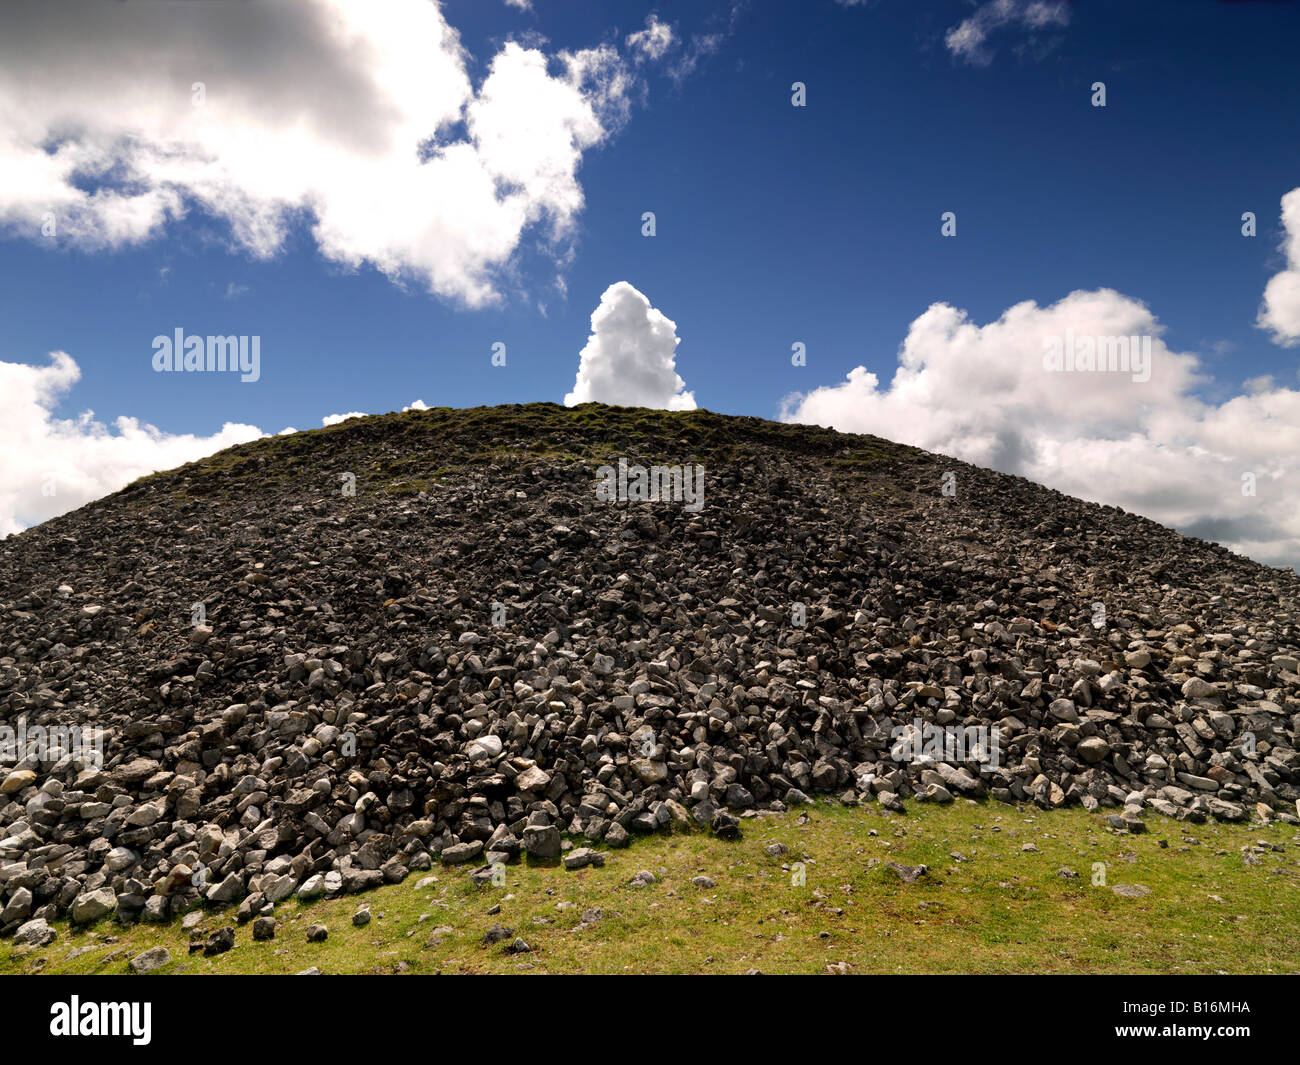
<point x="775" y="224"/>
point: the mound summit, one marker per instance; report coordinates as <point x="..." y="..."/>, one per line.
<point x="320" y="661"/>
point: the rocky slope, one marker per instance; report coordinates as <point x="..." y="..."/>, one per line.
<point x="473" y="657"/>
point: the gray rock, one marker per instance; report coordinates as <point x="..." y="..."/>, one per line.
<point x="35" y="933"/>
<point x="583" y="857"/>
<point x="231" y="889"/>
<point x="156" y="910"/>
<point x="1228" y="811"/>
<point x="278" y="888"/>
<point x="312" y="888"/>
<point x="725" y="826"/>
<point x="485" y="747"/>
<point x="497" y="934"/>
<point x="1196" y="688"/>
<point x="542" y="842"/>
<point x="1093" y="749"/>
<point x="459" y="853"/>
<point x="93" y="905"/>
<point x="149" y="960"/>
<point x="18" y="906"/>
<point x="533" y="779"/>
<point x="219" y="942"/>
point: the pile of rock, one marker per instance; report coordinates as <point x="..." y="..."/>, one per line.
<point x="307" y="692"/>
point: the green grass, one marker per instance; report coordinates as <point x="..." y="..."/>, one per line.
<point x="412" y="487"/>
<point x="1001" y="910"/>
<point x="390" y="453"/>
<point x="861" y="459"/>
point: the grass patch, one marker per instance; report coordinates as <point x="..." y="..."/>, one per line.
<point x="1216" y="902"/>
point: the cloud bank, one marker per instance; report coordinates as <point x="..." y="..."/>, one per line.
<point x="630" y="357"/>
<point x="359" y="118"/>
<point x="1280" y="312"/>
<point x="50" y="465"/>
<point x="982" y="394"/>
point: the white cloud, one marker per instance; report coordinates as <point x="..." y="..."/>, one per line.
<point x="1280" y="312"/>
<point x="630" y="357"/>
<point x="981" y="393"/>
<point x="50" y="465"/>
<point x="521" y="5"/>
<point x="700" y="47"/>
<point x="334" y="419"/>
<point x="359" y="118"/>
<point x="969" y="38"/>
<point x="653" y="41"/>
